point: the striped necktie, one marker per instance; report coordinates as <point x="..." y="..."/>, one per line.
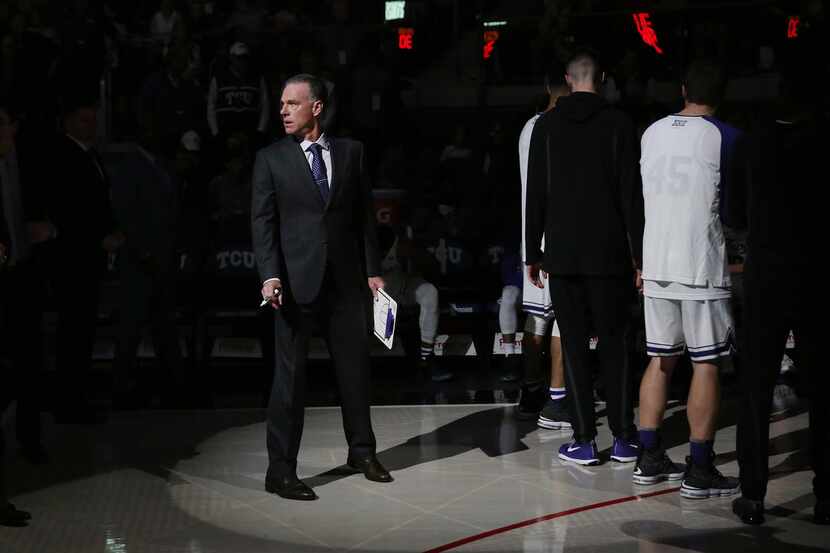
<point x="318" y="171"/>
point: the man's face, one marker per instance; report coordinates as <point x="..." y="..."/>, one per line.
<point x="240" y="65"/>
<point x="299" y="113"/>
<point x="83" y="124"/>
<point x="8" y="130"/>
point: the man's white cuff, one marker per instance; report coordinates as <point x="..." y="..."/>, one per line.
<point x="270" y="279"/>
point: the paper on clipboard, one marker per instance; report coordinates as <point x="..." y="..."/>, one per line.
<point x="385" y="313"/>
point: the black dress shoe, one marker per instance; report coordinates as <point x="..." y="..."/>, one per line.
<point x="371" y="469"/>
<point x="821" y="513"/>
<point x="290" y="487"/>
<point x="10" y="516"/>
<point x="749" y="511"/>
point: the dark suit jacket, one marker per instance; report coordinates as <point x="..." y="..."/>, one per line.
<point x="296" y="237"/>
<point x="76" y="198"/>
<point x="145" y="197"/>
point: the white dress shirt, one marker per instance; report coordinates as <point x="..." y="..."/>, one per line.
<point x="305" y="145"/>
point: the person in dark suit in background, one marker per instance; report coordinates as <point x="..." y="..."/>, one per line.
<point x="772" y="193"/>
<point x="77" y="200"/>
<point x="9" y="244"/>
<point x="315" y="243"/>
<point x="21" y="307"/>
<point x="146" y="202"/>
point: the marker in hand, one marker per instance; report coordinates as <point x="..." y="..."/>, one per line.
<point x="266" y="301"/>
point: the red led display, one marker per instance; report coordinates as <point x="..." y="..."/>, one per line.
<point x="647" y="32"/>
<point x="792" y="26"/>
<point x="490" y="38"/>
<point x="405" y="35"/>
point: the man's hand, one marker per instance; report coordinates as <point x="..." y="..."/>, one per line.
<point x="536" y="275"/>
<point x="375" y="284"/>
<point x="272" y="292"/>
<point x="638" y="280"/>
<point x="113" y="241"/>
<point x="40" y="231"/>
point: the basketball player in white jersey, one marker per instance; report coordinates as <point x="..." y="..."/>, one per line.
<point x="686" y="281"/>
<point x="548" y="407"/>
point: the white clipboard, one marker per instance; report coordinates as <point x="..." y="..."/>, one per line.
<point x="385" y="315"/>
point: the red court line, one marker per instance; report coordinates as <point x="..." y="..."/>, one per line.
<point x="545" y="518"/>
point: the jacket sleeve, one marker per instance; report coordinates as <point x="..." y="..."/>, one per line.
<point x="265" y="223"/>
<point x="735" y="195"/>
<point x="538" y="182"/>
<point x="366" y="205"/>
<point x="630" y="190"/>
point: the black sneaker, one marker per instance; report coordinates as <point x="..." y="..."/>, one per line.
<point x="702" y="482"/>
<point x="654" y="466"/>
<point x="554" y="415"/>
<point x="531" y="401"/>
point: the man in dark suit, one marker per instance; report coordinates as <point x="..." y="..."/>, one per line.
<point x="21" y="311"/>
<point x="315" y="244"/>
<point x="78" y="204"/>
<point x="147" y="183"/>
<point x="772" y="194"/>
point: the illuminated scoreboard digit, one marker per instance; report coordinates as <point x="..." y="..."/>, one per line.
<point x="490" y="38"/>
<point x="405" y="38"/>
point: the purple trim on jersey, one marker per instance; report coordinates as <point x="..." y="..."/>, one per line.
<point x="729" y="135"/>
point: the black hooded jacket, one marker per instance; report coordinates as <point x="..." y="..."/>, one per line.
<point x="584" y="192"/>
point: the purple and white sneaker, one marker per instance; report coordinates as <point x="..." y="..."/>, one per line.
<point x="581" y="453"/>
<point x="625" y="451"/>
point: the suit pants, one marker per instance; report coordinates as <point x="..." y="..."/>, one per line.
<point x="340" y="316"/>
<point x="773" y="307"/>
<point x="21" y="331"/>
<point x="603" y="304"/>
<point x="149" y="297"/>
<point x="76" y="293"/>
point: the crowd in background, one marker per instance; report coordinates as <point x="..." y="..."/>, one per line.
<point x="183" y="93"/>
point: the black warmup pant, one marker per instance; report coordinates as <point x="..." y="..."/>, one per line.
<point x="341" y="317"/>
<point x="603" y="304"/>
<point x="774" y="305"/>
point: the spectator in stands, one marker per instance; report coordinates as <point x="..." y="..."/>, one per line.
<point x="238" y="98"/>
<point x="230" y="192"/>
<point x="148" y="183"/>
<point x="77" y="200"/>
<point x="460" y="170"/>
<point x="163" y="23"/>
<point x="171" y="97"/>
<point x="784" y="241"/>
<point x="583" y="182"/>
<point x="183" y="43"/>
<point x="21" y="310"/>
<point x="402" y="265"/>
